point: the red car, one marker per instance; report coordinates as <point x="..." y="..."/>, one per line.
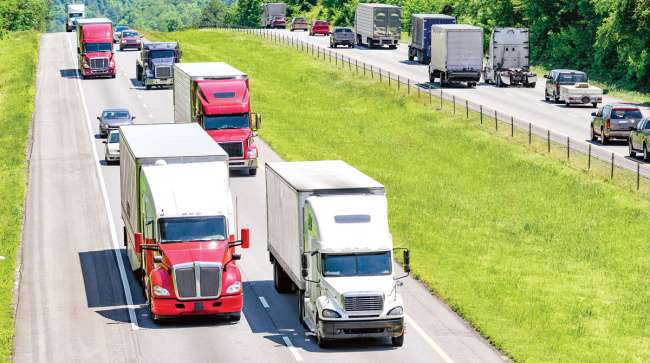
<point x="130" y="39"/>
<point x="320" y="27"/>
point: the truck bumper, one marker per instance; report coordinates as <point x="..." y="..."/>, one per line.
<point x="583" y="100"/>
<point x="241" y="164"/>
<point x="346" y="329"/>
<point x="87" y="72"/>
<point x="159" y="82"/>
<point x="464" y="76"/>
<point x="174" y="307"/>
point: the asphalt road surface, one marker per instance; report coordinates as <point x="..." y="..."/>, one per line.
<point x="78" y="300"/>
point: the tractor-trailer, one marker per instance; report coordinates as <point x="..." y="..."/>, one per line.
<point x="95" y="47"/>
<point x="179" y="221"/>
<point x="420" y="46"/>
<point x="456" y="54"/>
<point x="508" y="59"/>
<point x="274" y="15"/>
<point x="378" y="25"/>
<point x="216" y="96"/>
<point x="328" y="240"/>
<point x="73" y="12"/>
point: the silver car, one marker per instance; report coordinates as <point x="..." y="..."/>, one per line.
<point x="112" y="119"/>
<point x="112" y="147"/>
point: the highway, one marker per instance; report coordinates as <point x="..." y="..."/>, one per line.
<point x="526" y="104"/>
<point x="78" y="300"/>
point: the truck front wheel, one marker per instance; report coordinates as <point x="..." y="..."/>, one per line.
<point x="398" y="341"/>
<point x="252" y="171"/>
<point x="281" y="280"/>
<point x="301" y="307"/>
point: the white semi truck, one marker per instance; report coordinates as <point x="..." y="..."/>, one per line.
<point x="328" y="239"/>
<point x="508" y="59"/>
<point x="376" y="25"/>
<point x="73" y="12"/>
<point x="274" y="15"/>
<point x="456" y="54"/>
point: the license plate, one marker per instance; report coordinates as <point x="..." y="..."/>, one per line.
<point x="198" y="306"/>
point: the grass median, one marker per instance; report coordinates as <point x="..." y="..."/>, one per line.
<point x="18" y="58"/>
<point x="549" y="263"/>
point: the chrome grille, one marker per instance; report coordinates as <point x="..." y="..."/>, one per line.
<point x="98" y="63"/>
<point x="364" y="302"/>
<point x="234" y="149"/>
<point x="163" y="72"/>
<point x="197" y="280"/>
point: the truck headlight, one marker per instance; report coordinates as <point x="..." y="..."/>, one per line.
<point x="396" y="311"/>
<point x="235" y="287"/>
<point x="328" y="313"/>
<point x="252" y="153"/>
<point x="160" y="291"/>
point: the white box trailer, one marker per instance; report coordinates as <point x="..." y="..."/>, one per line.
<point x="326" y="215"/>
<point x="73" y="12"/>
<point x="142" y="145"/>
<point x="378" y="25"/>
<point x="508" y="58"/>
<point x="185" y="77"/>
<point x="270" y="10"/>
<point x="456" y="54"/>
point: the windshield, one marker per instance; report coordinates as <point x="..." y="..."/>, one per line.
<point x="129" y="34"/>
<point x="120" y="28"/>
<point x="98" y="47"/>
<point x="624" y="114"/>
<point x="366" y="264"/>
<point x="155" y="54"/>
<point x="571" y="78"/>
<point x="342" y="31"/>
<point x="240" y="121"/>
<point x="192" y="229"/>
<point x="114" y="138"/>
<point x="116" y="114"/>
<point x="75" y="15"/>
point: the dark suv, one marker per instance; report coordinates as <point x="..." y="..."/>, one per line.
<point x="614" y="122"/>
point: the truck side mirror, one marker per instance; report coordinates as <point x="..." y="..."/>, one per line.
<point x="245" y="238"/>
<point x="258" y="121"/>
<point x="78" y="50"/>
<point x="593" y="114"/>
<point x="304" y="264"/>
<point x="157" y="259"/>
<point x="99" y="118"/>
<point x="407" y="261"/>
<point x="137" y="240"/>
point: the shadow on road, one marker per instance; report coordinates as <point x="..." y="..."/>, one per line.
<point x="69" y="73"/>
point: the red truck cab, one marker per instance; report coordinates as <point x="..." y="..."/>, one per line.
<point x="217" y="97"/>
<point x="320" y="27"/>
<point x="95" y="47"/>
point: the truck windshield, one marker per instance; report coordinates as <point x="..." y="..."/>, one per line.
<point x="98" y="47"/>
<point x="237" y="121"/>
<point x="75" y="15"/>
<point x="156" y="54"/>
<point x="192" y="229"/>
<point x="366" y="264"/>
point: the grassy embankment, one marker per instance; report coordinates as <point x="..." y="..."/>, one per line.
<point x="549" y="263"/>
<point x="18" y="58"/>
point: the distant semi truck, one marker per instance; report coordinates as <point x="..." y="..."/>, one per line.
<point x="420" y="46"/>
<point x="274" y="15"/>
<point x="508" y="59"/>
<point x="377" y="25"/>
<point x="329" y="240"/>
<point x="73" y="12"/>
<point x="456" y="54"/>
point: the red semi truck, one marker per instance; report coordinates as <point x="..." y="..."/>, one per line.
<point x="179" y="221"/>
<point x="95" y="47"/>
<point x="216" y="96"/>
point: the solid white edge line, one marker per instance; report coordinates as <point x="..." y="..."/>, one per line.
<point x="410" y="322"/>
<point x="264" y="302"/>
<point x="107" y="205"/>
<point x="292" y="348"/>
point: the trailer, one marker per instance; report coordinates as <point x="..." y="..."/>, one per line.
<point x="378" y="25"/>
<point x="274" y="15"/>
<point x="508" y="59"/>
<point x="73" y="12"/>
<point x="456" y="54"/>
<point x="420" y="32"/>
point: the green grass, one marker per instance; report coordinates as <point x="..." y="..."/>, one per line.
<point x="18" y="58"/>
<point x="549" y="263"/>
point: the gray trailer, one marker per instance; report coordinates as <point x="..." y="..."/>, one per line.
<point x="378" y="25"/>
<point x="508" y="59"/>
<point x="155" y="66"/>
<point x="420" y="31"/>
<point x="456" y="54"/>
<point x="274" y="15"/>
<point x="73" y="12"/>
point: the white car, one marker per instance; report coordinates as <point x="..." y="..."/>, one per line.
<point x="112" y="147"/>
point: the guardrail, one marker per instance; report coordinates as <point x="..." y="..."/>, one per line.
<point x="579" y="153"/>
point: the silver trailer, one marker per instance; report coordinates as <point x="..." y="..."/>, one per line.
<point x="73" y="12"/>
<point x="378" y="25"/>
<point x="270" y="11"/>
<point x="420" y="46"/>
<point x="508" y="59"/>
<point x="456" y="54"/>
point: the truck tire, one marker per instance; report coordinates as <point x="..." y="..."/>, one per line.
<point x="323" y="343"/>
<point x="138" y="72"/>
<point x="301" y="307"/>
<point x="281" y="280"/>
<point x="532" y="85"/>
<point x="392" y="46"/>
<point x="126" y="241"/>
<point x="432" y="77"/>
<point x="359" y="42"/>
<point x="252" y="171"/>
<point x="556" y="98"/>
<point x="646" y="157"/>
<point x="398" y="341"/>
<point x="411" y="57"/>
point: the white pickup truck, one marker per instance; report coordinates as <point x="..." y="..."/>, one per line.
<point x="571" y="88"/>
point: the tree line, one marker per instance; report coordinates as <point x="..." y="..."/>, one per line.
<point x="17" y="15"/>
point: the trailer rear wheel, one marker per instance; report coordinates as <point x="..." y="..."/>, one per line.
<point x="532" y="85"/>
<point x="281" y="280"/>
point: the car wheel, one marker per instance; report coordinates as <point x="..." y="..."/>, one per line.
<point x="546" y="97"/>
<point x="252" y="171"/>
<point x="398" y="341"/>
<point x="603" y="138"/>
<point x="592" y="133"/>
<point x="646" y="157"/>
<point x="631" y="150"/>
<point x="556" y="98"/>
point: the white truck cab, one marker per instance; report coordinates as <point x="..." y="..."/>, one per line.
<point x="329" y="240"/>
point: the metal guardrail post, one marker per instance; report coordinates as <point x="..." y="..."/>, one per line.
<point x="467" y="109"/>
<point x="441" y="98"/>
<point x="496" y="121"/>
<point x="512" y="126"/>
<point x="638" y="176"/>
<point x="453" y="101"/>
<point x="480" y="109"/>
<point x="429" y="95"/>
<point x="548" y="139"/>
<point x="568" y="148"/>
<point x="530" y="133"/>
<point x="589" y="158"/>
<point x="611" y="175"/>
<point x="389" y="79"/>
